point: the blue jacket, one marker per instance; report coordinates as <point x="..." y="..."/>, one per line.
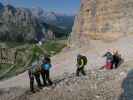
<point x="46" y="66"/>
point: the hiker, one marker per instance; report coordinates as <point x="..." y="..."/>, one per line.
<point x="109" y="60"/>
<point x="81" y="62"/>
<point x="46" y="70"/>
<point x="116" y="59"/>
<point x="34" y="74"/>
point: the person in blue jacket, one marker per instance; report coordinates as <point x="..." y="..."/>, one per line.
<point x="46" y="66"/>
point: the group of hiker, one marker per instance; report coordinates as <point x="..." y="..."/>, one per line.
<point x="39" y="69"/>
<point x="43" y="68"/>
<point x="113" y="59"/>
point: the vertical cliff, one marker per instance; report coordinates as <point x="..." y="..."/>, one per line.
<point x="102" y="19"/>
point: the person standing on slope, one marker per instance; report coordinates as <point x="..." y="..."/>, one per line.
<point x="117" y="60"/>
<point x="46" y="66"/>
<point x="81" y="62"/>
<point x="34" y="73"/>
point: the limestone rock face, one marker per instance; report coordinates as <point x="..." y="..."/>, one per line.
<point x="102" y="19"/>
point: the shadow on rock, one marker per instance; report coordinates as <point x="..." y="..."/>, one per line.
<point x="127" y="87"/>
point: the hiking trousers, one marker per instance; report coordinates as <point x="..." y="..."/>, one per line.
<point x="46" y="77"/>
<point x="115" y="64"/>
<point x="80" y="70"/>
<point x="116" y="61"/>
<point x="37" y="78"/>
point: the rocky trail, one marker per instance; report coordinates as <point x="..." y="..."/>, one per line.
<point x="97" y="85"/>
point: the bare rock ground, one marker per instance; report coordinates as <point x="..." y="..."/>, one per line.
<point x="96" y="85"/>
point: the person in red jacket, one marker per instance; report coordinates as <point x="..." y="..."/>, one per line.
<point x="109" y="60"/>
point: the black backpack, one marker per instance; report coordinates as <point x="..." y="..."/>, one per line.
<point x="84" y="59"/>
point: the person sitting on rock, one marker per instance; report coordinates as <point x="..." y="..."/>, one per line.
<point x="81" y="62"/>
<point x="109" y="60"/>
<point x="46" y="71"/>
<point x="34" y="73"/>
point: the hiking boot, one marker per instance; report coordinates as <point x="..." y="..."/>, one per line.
<point x="44" y="85"/>
<point x="33" y="91"/>
<point x="40" y="87"/>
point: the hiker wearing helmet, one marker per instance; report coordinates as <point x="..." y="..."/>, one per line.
<point x="46" y="70"/>
<point x="81" y="62"/>
<point x="34" y="74"/>
<point x="109" y="59"/>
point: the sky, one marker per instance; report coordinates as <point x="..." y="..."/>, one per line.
<point x="60" y="6"/>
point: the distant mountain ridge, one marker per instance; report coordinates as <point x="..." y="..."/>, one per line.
<point x="23" y="24"/>
<point x="62" y="21"/>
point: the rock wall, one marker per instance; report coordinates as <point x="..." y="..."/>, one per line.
<point x="102" y="19"/>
